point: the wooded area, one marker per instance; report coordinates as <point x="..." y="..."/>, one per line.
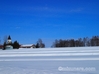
<point x="80" y="42"/>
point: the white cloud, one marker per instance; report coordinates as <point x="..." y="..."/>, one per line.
<point x="18" y="27"/>
<point x="42" y="8"/>
<point x="76" y="10"/>
<point x="78" y="26"/>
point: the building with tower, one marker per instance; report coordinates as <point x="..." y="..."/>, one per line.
<point x="9" y="43"/>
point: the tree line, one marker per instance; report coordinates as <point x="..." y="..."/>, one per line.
<point x="80" y="42"/>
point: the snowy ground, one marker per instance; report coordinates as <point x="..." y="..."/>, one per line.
<point x="81" y="60"/>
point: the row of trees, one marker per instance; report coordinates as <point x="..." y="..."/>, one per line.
<point x="81" y="42"/>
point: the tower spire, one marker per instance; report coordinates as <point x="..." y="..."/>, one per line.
<point x="9" y="38"/>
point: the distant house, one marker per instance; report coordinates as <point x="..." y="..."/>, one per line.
<point x="1" y="46"/>
<point x="28" y="46"/>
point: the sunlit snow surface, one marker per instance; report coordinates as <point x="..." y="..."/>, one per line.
<point x="75" y="60"/>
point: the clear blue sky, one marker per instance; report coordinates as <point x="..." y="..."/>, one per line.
<point x="28" y="20"/>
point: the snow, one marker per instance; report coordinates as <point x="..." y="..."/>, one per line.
<point x="70" y="60"/>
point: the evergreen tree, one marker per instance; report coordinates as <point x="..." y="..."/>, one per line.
<point x="16" y="45"/>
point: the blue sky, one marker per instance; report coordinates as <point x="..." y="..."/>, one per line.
<point x="28" y="20"/>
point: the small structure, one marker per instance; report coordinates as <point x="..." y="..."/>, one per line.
<point x="27" y="46"/>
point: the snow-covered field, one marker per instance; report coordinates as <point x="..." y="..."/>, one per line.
<point x="74" y="60"/>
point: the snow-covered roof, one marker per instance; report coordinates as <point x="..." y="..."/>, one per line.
<point x="27" y="45"/>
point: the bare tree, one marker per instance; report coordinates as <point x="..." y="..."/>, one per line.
<point x="40" y="43"/>
<point x="5" y="38"/>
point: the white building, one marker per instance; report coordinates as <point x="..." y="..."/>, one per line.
<point x="9" y="43"/>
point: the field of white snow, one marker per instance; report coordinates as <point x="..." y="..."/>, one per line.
<point x="73" y="60"/>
